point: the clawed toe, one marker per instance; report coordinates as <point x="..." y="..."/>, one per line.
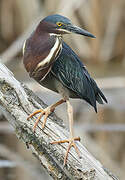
<point x="43" y="112"/>
<point x="71" y="144"/>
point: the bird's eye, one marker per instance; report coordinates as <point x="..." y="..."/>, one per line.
<point x="59" y="24"/>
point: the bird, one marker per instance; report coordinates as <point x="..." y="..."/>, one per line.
<point x="54" y="65"/>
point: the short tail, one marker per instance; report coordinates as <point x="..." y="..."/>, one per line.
<point x="100" y="98"/>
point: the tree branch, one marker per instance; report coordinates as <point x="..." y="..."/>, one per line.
<point x="17" y="102"/>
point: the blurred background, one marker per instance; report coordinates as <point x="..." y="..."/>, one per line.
<point x="104" y="133"/>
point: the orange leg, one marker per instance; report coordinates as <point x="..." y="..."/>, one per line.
<point x="46" y="112"/>
<point x="72" y="139"/>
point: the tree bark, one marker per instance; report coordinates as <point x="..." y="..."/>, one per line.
<point x="17" y="102"/>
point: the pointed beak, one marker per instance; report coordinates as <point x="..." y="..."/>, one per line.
<point x="77" y="30"/>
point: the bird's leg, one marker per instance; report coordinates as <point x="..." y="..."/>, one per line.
<point x="71" y="139"/>
<point x="46" y="112"/>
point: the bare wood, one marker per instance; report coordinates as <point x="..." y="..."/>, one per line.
<point x="69" y="6"/>
<point x="17" y="102"/>
<point x="96" y="26"/>
<point x="113" y="24"/>
<point x="16" y="46"/>
<point x="111" y="82"/>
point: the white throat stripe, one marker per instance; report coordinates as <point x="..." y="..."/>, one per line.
<point x="52" y="51"/>
<point x="24" y="45"/>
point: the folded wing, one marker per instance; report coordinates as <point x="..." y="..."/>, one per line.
<point x="73" y="75"/>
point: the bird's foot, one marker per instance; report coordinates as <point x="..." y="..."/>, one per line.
<point x="71" y="144"/>
<point x="43" y="112"/>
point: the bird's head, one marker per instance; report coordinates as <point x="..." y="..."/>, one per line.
<point x="59" y="25"/>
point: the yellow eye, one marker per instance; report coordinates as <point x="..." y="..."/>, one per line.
<point x="59" y="24"/>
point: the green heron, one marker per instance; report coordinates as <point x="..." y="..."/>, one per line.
<point x="54" y="65"/>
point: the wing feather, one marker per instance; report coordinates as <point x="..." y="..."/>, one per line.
<point x="73" y="74"/>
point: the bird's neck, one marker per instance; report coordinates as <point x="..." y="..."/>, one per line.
<point x="41" y="50"/>
<point x="52" y="45"/>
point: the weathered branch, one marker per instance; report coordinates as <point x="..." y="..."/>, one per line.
<point x="17" y="102"/>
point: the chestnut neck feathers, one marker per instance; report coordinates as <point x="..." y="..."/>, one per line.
<point x="40" y="51"/>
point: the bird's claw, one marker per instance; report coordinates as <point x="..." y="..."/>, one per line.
<point x="43" y="112"/>
<point x="71" y="144"/>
